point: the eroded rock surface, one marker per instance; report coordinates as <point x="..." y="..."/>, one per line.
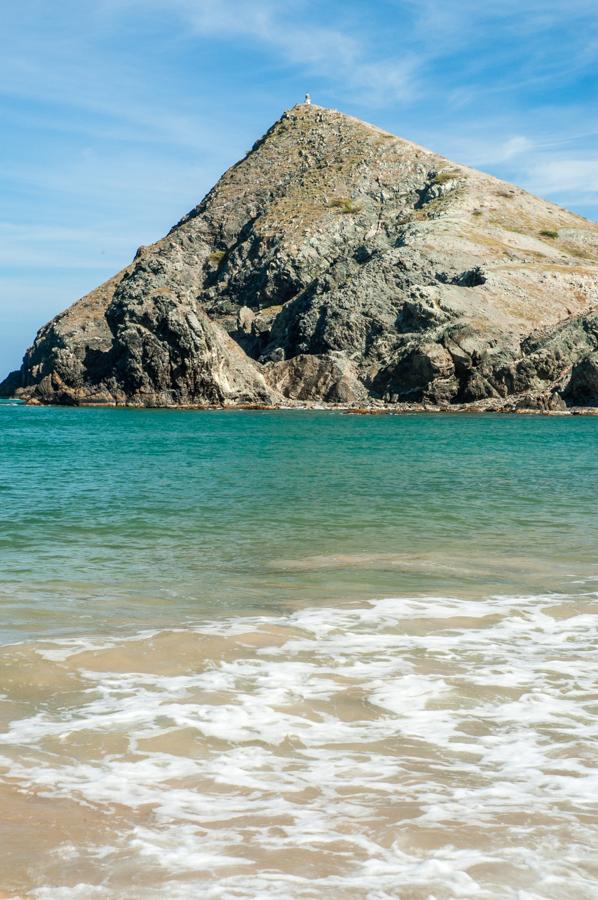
<point x="339" y="263"/>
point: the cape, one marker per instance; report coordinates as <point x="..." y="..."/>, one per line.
<point x="339" y="264"/>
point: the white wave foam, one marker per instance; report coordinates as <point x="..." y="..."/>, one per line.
<point x="427" y="747"/>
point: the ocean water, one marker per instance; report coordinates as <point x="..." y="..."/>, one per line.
<point x="297" y="654"/>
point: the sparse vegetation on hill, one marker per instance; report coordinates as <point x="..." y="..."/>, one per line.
<point x="432" y="283"/>
<point x="345" y="205"/>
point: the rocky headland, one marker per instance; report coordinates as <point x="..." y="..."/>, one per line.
<point x="338" y="264"/>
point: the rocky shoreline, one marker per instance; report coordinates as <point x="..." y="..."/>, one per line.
<point x="373" y="409"/>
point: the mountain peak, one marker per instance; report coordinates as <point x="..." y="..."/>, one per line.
<point x="337" y="262"/>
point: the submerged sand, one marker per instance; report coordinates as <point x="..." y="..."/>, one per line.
<point x="410" y="747"/>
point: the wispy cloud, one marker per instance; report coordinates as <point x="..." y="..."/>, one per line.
<point x="501" y="47"/>
<point x="289" y="31"/>
<point x="565" y="177"/>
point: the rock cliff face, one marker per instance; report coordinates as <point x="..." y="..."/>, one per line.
<point x="339" y="263"/>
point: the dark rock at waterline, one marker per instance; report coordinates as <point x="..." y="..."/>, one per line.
<point x="11" y="384"/>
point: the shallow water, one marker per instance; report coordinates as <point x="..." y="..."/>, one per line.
<point x="297" y="654"/>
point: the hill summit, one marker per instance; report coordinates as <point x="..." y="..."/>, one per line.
<point x="338" y="263"/>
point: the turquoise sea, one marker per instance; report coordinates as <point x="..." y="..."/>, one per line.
<point x="297" y="654"/>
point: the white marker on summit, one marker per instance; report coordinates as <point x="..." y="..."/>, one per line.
<point x="307" y="100"/>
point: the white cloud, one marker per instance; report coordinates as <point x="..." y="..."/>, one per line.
<point x="559" y="175"/>
<point x="514" y="146"/>
<point x="289" y="30"/>
<point x="494" y="151"/>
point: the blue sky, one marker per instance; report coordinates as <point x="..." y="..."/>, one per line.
<point x="118" y="115"/>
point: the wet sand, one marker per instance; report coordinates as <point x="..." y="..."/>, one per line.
<point x="408" y="747"/>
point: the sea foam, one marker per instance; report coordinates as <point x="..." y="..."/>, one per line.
<point x="409" y="747"/>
